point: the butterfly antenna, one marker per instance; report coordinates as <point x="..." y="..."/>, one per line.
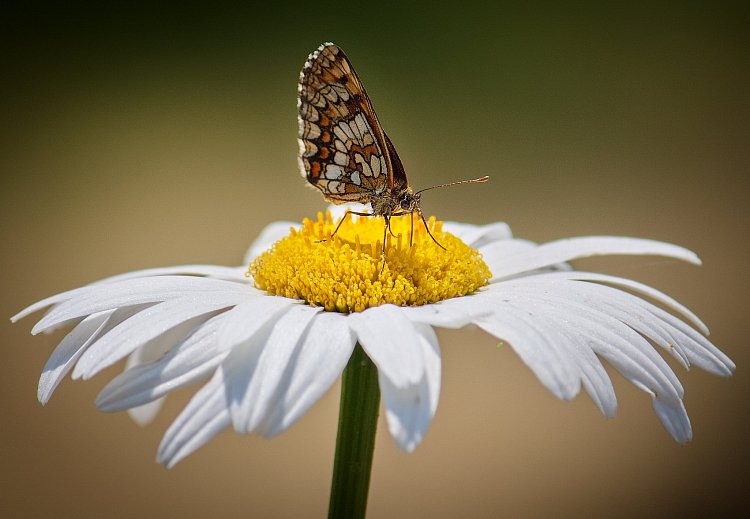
<point x="472" y="181"/>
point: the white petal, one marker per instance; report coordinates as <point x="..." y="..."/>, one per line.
<point x="49" y="301"/>
<point x="236" y="274"/>
<point x="321" y="359"/>
<point x="628" y="351"/>
<point x="390" y="340"/>
<point x="476" y="236"/>
<point x="645" y="318"/>
<point x="96" y="298"/>
<point x="195" y="358"/>
<point x="75" y="344"/>
<point x="409" y="410"/>
<point x="433" y="365"/>
<point x="171" y="320"/>
<point x="145" y="414"/>
<point x="257" y="368"/>
<point x="629" y="310"/>
<point x="151" y="375"/>
<point x="68" y="351"/>
<point x="696" y="347"/>
<point x="594" y="377"/>
<point x="675" y="336"/>
<point x="268" y="236"/>
<point x="674" y="418"/>
<point x="244" y="321"/>
<point x="625" y="349"/>
<point x="540" y="346"/>
<point x="205" y="416"/>
<point x="496" y="254"/>
<point x="191" y="360"/>
<point x="646" y="290"/>
<point x="452" y="313"/>
<point x="575" y="346"/>
<point x="574" y="248"/>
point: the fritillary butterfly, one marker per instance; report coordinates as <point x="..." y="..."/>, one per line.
<point x="344" y="151"/>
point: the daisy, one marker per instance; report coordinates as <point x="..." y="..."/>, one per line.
<point x="272" y="339"/>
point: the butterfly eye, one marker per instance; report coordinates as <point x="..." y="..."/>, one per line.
<point x="406" y="204"/>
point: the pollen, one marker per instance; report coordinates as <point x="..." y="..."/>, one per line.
<point x="348" y="273"/>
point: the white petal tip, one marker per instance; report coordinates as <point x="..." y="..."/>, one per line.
<point x="161" y="459"/>
<point x="409" y="447"/>
<point x="142" y="421"/>
<point x="43" y="394"/>
<point x="79" y="373"/>
<point x="27" y="311"/>
<point x="409" y="443"/>
<point x="105" y="405"/>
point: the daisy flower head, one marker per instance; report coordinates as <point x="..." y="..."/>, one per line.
<point x="271" y="336"/>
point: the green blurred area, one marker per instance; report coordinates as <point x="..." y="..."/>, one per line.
<point x="541" y="97"/>
<point x="137" y="135"/>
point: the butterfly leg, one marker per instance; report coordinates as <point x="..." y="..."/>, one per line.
<point x="388" y="225"/>
<point x="346" y="214"/>
<point x="427" y="228"/>
<point x="411" y="229"/>
<point x="386" y="228"/>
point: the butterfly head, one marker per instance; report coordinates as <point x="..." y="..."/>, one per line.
<point x="409" y="201"/>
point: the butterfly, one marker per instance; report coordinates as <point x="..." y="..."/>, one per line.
<point x="344" y="151"/>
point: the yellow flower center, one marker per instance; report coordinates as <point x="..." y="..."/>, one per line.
<point x="347" y="274"/>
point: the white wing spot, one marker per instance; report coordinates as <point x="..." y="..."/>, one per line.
<point x="340" y="133"/>
<point x="347" y="130"/>
<point x="342" y="159"/>
<point x="330" y="94"/>
<point x="308" y="112"/>
<point x="310" y="149"/>
<point x="317" y="100"/>
<point x="335" y="186"/>
<point x="333" y="172"/>
<point x="355" y="131"/>
<point x="341" y="108"/>
<point x="310" y="130"/>
<point x="375" y="165"/>
<point x="342" y="92"/>
<point x="362" y="125"/>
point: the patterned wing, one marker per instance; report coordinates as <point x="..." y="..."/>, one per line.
<point x="343" y="150"/>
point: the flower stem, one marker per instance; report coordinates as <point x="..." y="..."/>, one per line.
<point x="355" y="441"/>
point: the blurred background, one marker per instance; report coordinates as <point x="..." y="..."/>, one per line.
<point x="138" y="136"/>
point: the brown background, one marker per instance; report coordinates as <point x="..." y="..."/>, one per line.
<point x="139" y="137"/>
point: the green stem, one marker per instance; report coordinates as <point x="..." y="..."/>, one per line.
<point x="355" y="442"/>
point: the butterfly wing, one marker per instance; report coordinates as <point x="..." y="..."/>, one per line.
<point x="399" y="182"/>
<point x="343" y="150"/>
